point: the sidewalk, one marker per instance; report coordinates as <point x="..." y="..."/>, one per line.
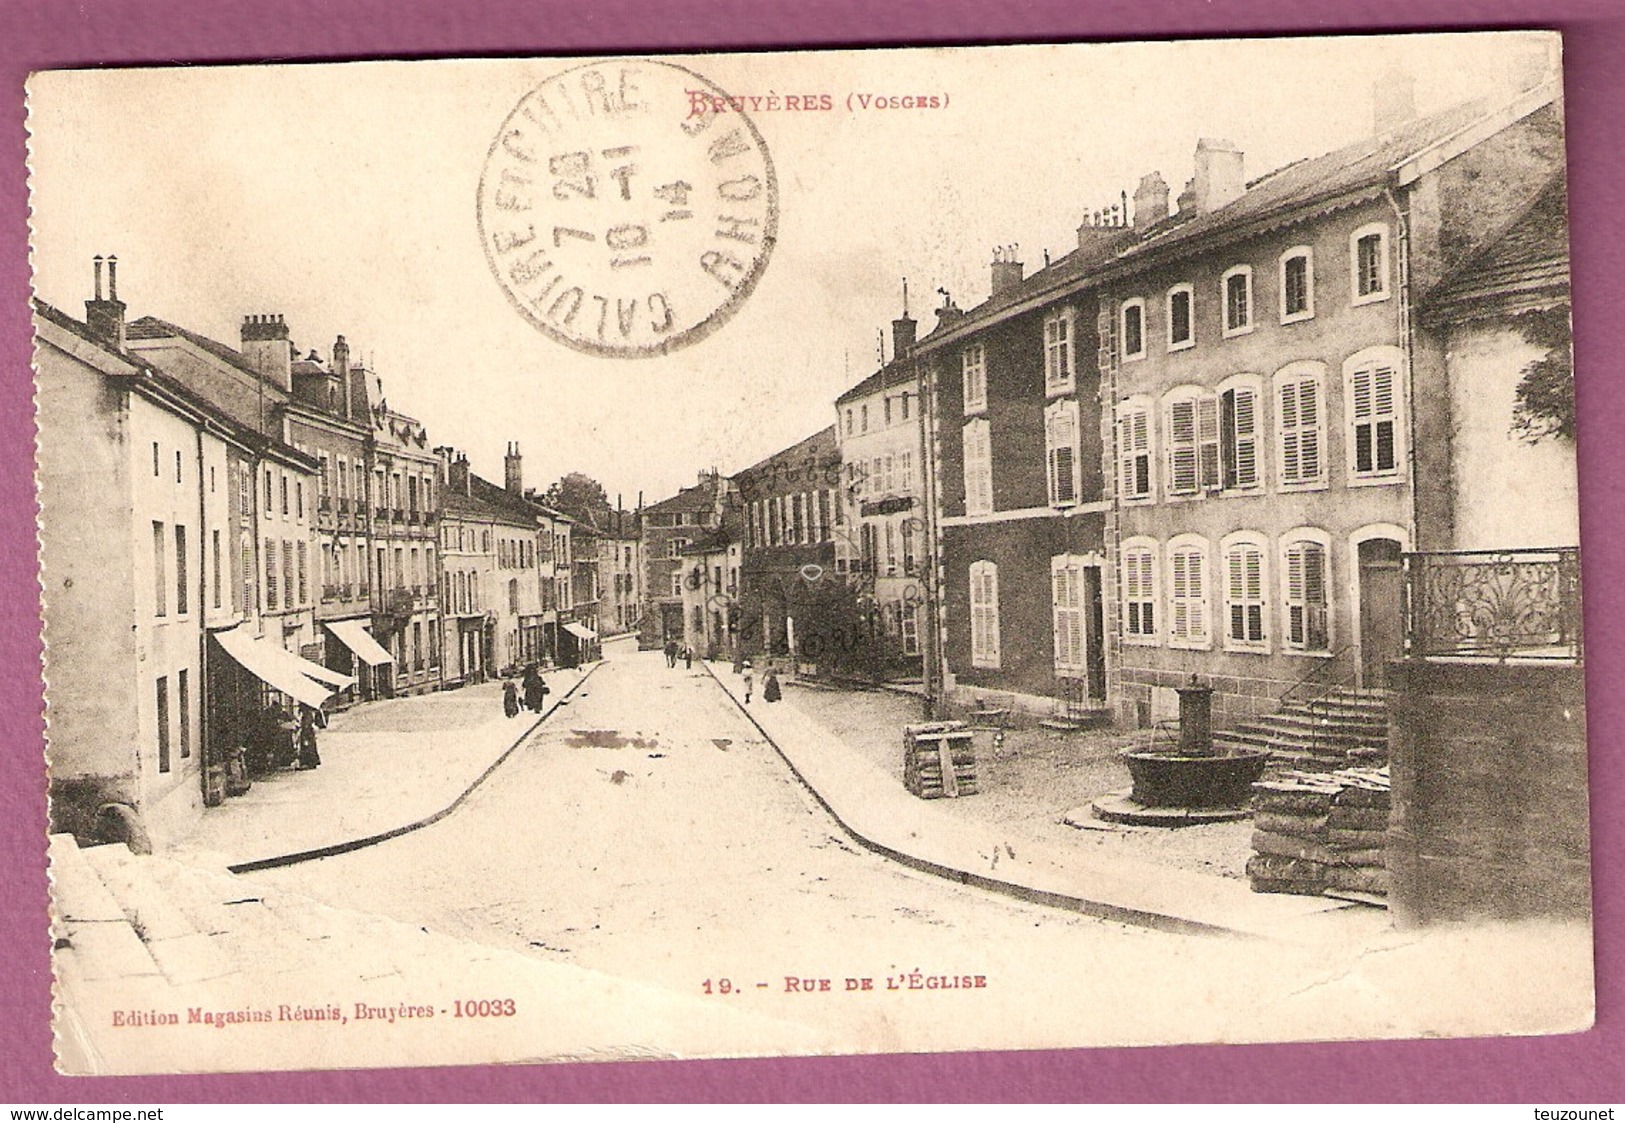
<point x="946" y="837"/>
<point x="386" y="766"/>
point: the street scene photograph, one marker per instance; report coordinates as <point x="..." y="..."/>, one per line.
<point x="809" y="553"/>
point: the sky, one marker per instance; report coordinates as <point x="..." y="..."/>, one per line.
<point x="342" y="195"/>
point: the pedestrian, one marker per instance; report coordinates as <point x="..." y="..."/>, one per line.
<point x="510" y="698"/>
<point x="309" y="719"/>
<point x="770" y="686"/>
<point x="671" y="653"/>
<point x="750" y="678"/>
<point x="688" y="658"/>
<point x="535" y="689"/>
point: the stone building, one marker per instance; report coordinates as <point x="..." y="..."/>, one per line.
<point x="665" y="530"/>
<point x="1277" y="410"/>
<point x="881" y="542"/>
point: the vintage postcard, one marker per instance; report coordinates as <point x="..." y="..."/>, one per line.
<point x="802" y="553"/>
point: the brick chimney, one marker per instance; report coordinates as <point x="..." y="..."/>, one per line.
<point x="1150" y="201"/>
<point x="903" y="334"/>
<point x="341" y="372"/>
<point x="1007" y="268"/>
<point x="513" y="471"/>
<point x="267" y="349"/>
<point x="949" y="313"/>
<point x="105" y="317"/>
<point x="1393" y="100"/>
<point x="1219" y="177"/>
<point x="457" y="474"/>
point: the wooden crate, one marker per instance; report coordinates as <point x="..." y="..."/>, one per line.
<point x="939" y="760"/>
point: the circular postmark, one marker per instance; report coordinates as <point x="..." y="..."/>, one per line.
<point x="627" y="208"/>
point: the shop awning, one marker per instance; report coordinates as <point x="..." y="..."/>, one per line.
<point x="580" y="631"/>
<point x="352" y="634"/>
<point x="277" y="668"/>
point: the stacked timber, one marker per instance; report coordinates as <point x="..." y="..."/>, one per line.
<point x="1315" y="832"/>
<point x="939" y="759"/>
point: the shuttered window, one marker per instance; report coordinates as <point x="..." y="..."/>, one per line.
<point x="978" y="468"/>
<point x="1066" y="581"/>
<point x="1193" y="445"/>
<point x="1134" y="452"/>
<point x="1307" y="616"/>
<point x="973" y="365"/>
<point x="1298" y="415"/>
<point x="1238" y="434"/>
<point x="1061" y="451"/>
<point x="1374" y="419"/>
<point x="1058" y="352"/>
<point x="1244" y="595"/>
<point x="1187" y="595"/>
<point x="984" y="615"/>
<point x="1139" y="592"/>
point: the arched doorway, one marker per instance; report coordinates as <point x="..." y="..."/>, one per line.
<point x="1381" y="591"/>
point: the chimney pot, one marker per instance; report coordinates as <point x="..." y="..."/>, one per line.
<point x="1007" y="269"/>
<point x="105" y="317"/>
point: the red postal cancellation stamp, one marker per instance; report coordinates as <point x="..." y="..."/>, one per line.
<point x="620" y="221"/>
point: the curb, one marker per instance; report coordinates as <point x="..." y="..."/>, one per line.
<point x="1100" y="909"/>
<point x="334" y="849"/>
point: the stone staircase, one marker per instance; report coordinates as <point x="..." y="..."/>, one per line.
<point x="1334" y="731"/>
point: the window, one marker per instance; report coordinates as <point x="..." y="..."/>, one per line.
<point x="1244" y="584"/>
<point x="863" y="417"/>
<point x="978" y="468"/>
<point x="1133" y="328"/>
<point x="304" y="589"/>
<point x="163" y="723"/>
<point x="674" y="548"/>
<point x="1238" y="432"/>
<point x="885" y="404"/>
<point x="908" y="622"/>
<point x="1368" y="257"/>
<point x="214" y="565"/>
<point x="1236" y="290"/>
<point x="155" y="468"/>
<point x="984" y="615"/>
<point x="1187" y="592"/>
<point x="268" y="496"/>
<point x="1193" y="441"/>
<point x="1067" y="622"/>
<point x="160" y="571"/>
<point x="1139" y="579"/>
<point x="1304" y="570"/>
<point x="1134" y="449"/>
<point x="284" y="493"/>
<point x="973" y="365"/>
<point x="299" y="498"/>
<point x="1181" y="327"/>
<point x="287" y="575"/>
<point x="183" y="703"/>
<point x="182" y="605"/>
<point x="1058" y="370"/>
<point x="903" y="402"/>
<point x="1297" y="284"/>
<point x="677" y="583"/>
<point x="1300" y="429"/>
<point x="1061" y="451"/>
<point x="849" y="422"/>
<point x="1372" y="406"/>
<point x="177" y="465"/>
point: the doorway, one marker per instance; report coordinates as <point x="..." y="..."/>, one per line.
<point x="1382" y="633"/>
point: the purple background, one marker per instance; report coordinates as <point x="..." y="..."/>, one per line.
<point x="40" y="34"/>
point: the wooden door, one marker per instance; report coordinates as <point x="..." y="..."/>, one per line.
<point x="1382" y="633"/>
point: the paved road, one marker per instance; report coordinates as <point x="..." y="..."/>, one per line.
<point x="647" y="832"/>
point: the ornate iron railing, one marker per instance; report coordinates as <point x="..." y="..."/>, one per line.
<point x="1494" y="604"/>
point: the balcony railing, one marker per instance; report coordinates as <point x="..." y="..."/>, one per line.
<point x="1495" y="605"/>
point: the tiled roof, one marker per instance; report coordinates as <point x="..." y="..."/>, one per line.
<point x="700" y="497"/>
<point x="821" y="446"/>
<point x="893" y="373"/>
<point x="1528" y="256"/>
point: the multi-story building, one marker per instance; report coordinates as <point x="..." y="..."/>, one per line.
<point x="711" y="565"/>
<point x="1277" y="410"/>
<point x="578" y="639"/>
<point x="621" y="569"/>
<point x="793" y="513"/>
<point x="406" y="567"/>
<point x="666" y="529"/>
<point x="156" y="587"/>
<point x="881" y="545"/>
<point x="1014" y="412"/>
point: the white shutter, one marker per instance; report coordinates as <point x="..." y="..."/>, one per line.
<point x="1207" y="438"/>
<point x="1182" y="446"/>
<point x="1246" y="437"/>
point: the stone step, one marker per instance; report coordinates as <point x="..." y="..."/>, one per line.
<point x="143" y="886"/>
<point x="89" y="927"/>
<point x="1317" y="721"/>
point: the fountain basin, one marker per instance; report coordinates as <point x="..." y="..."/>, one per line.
<point x="1167" y="779"/>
